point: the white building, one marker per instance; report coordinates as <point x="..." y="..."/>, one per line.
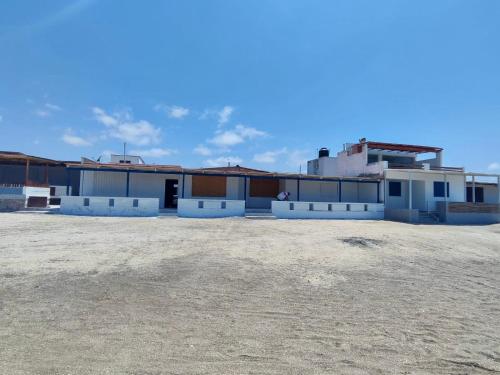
<point x="416" y="185"/>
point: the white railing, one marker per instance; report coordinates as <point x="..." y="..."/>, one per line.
<point x="204" y="208"/>
<point x="327" y="210"/>
<point x="109" y="206"/>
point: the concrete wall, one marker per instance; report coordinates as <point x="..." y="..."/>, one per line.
<point x="114" y="184"/>
<point x="326" y="210"/>
<point x="211" y="208"/>
<point x="346" y="165"/>
<point x="402" y="214"/>
<point x="11" y="202"/>
<point x="99" y="206"/>
<point x="465" y="218"/>
<point x="491" y="194"/>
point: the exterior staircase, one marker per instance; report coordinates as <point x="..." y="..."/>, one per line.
<point x="428" y="217"/>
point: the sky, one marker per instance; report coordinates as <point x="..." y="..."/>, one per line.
<point x="261" y="83"/>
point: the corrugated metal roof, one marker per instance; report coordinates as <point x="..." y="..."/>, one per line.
<point x="236" y="171"/>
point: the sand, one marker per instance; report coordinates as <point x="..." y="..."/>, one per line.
<point x="82" y="295"/>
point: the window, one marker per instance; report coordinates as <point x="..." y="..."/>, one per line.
<point x="111" y="203"/>
<point x="200" y="204"/>
<point x="311" y="206"/>
<point x="439" y="189"/>
<point x="208" y="186"/>
<point x="86" y="202"/>
<point x="394" y="188"/>
<point x="135" y="203"/>
<point x="264" y="188"/>
<point x="223" y="205"/>
<point x="479" y="194"/>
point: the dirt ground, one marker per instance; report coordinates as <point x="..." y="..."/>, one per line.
<point x="83" y="295"/>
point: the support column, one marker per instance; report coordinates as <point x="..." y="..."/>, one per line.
<point x="127" y="190"/>
<point x="298" y="190"/>
<point x="245" y="190"/>
<point x="498" y="189"/>
<point x="340" y="190"/>
<point x="68" y="181"/>
<point x="183" y="184"/>
<point x="473" y="189"/>
<point x="27" y="176"/>
<point x="46" y="174"/>
<point x="410" y="192"/>
<point x="378" y="192"/>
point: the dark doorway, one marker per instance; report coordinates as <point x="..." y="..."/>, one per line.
<point x="171" y="193"/>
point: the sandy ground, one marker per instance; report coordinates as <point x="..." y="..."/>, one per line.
<point x="237" y="296"/>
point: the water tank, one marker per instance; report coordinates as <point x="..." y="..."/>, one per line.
<point x="323" y="152"/>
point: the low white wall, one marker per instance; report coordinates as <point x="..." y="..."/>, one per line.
<point x="326" y="210"/>
<point x="210" y="208"/>
<point x="100" y="206"/>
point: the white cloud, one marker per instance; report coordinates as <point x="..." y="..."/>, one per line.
<point x="42" y="113"/>
<point x="173" y="111"/>
<point x="297" y="158"/>
<point x="52" y="107"/>
<point x="268" y="157"/>
<point x="224" y="115"/>
<point x="495" y="166"/>
<point x="227" y="139"/>
<point x="103" y="117"/>
<point x="238" y="135"/>
<point x="223" y="161"/>
<point x="47" y="110"/>
<point x="121" y="126"/>
<point x="74" y="140"/>
<point x="202" y="150"/>
<point x="154" y="152"/>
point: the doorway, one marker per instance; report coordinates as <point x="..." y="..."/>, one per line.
<point x="171" y="188"/>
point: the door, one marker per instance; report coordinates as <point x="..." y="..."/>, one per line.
<point x="171" y="193"/>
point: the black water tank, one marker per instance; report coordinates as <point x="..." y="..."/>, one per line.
<point x="323" y="152"/>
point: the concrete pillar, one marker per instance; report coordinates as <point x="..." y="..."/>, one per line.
<point x="473" y="189"/>
<point x="410" y="192"/>
<point x="439" y="158"/>
<point x="127" y="188"/>
<point x="498" y="189"/>
<point x="68" y="181"/>
<point x="245" y="190"/>
<point x="27" y="177"/>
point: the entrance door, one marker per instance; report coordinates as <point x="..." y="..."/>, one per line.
<point x="171" y="193"/>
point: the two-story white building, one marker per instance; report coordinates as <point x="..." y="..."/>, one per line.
<point x="417" y="187"/>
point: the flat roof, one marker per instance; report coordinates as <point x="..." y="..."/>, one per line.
<point x="235" y="171"/>
<point x="19" y="157"/>
<point x="401" y="147"/>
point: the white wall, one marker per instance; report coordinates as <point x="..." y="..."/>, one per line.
<point x="491" y="194"/>
<point x="347" y="165"/>
<point x="212" y="208"/>
<point x="326" y="210"/>
<point x="99" y="206"/>
<point x="425" y="189"/>
<point x="149" y="185"/>
<point x="114" y="184"/>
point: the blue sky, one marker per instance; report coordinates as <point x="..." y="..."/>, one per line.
<point x="259" y="83"/>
